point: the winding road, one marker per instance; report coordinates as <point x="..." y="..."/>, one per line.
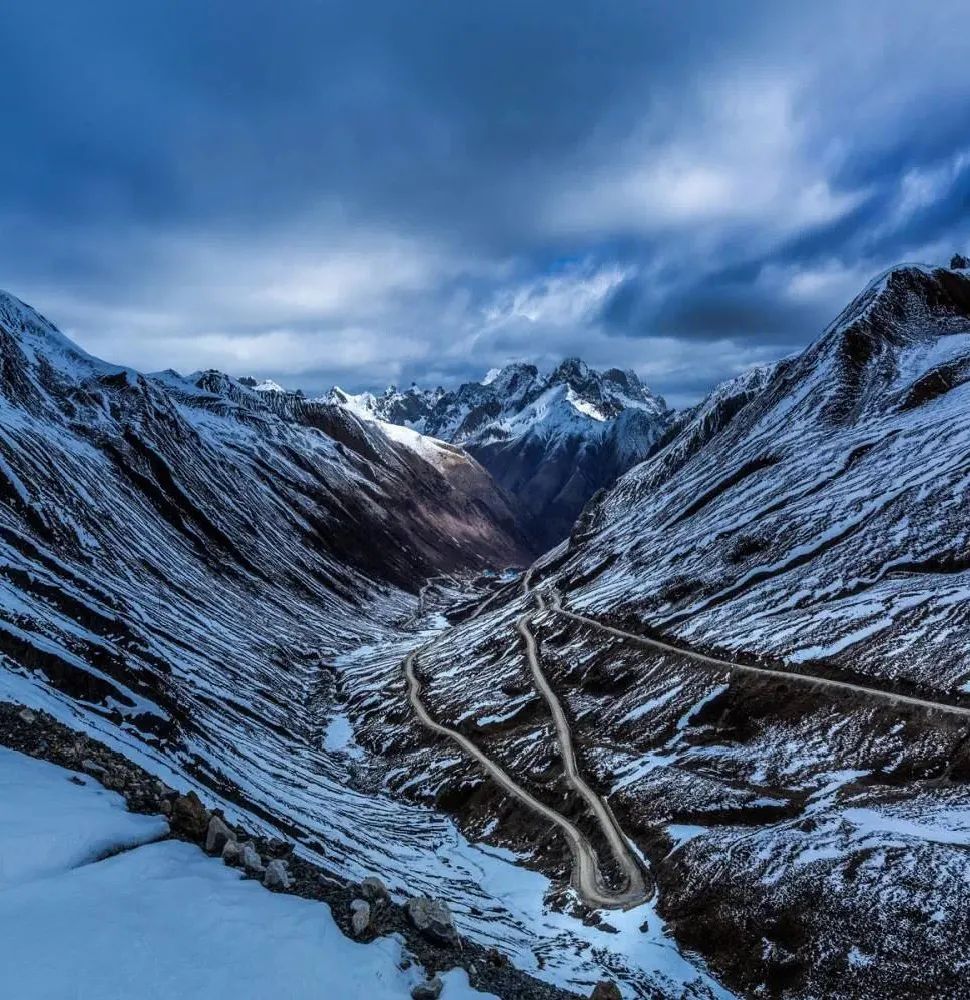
<point x="810" y="680"/>
<point x="587" y="877"/>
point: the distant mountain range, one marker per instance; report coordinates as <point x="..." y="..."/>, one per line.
<point x="551" y="441"/>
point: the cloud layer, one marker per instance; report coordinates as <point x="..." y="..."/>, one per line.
<point x="382" y="191"/>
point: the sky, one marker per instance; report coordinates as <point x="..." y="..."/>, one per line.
<point x="382" y="191"/>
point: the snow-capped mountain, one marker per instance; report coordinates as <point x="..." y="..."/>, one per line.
<point x="214" y="581"/>
<point x="825" y="520"/>
<point x="759" y="637"/>
<point x="550" y="440"/>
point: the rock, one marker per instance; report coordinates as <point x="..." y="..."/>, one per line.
<point x="165" y="808"/>
<point x="75" y="780"/>
<point x="277" y="875"/>
<point x="359" y="916"/>
<point x="88" y="766"/>
<point x="26" y="715"/>
<point x="496" y="959"/>
<point x="959" y="263"/>
<point x="251" y="860"/>
<point x="373" y="889"/>
<point x="277" y="848"/>
<point x="164" y="792"/>
<point x="433" y="919"/>
<point x="189" y="816"/>
<point x="430" y="989"/>
<point x="217" y="835"/>
<point x="232" y="853"/>
<point x="605" y="990"/>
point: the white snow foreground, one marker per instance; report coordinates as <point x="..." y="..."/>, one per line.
<point x="158" y="919"/>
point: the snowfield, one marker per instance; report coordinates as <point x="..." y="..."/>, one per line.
<point x="159" y="920"/>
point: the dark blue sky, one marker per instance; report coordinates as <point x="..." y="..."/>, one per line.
<point x="378" y="191"/>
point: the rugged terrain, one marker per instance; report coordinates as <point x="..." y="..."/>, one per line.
<point x="716" y="740"/>
<point x="759" y="640"/>
<point x="551" y="441"/>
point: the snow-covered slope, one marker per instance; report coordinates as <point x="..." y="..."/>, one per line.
<point x="550" y="440"/>
<point x="93" y="908"/>
<point x="809" y="518"/>
<point x="827" y="521"/>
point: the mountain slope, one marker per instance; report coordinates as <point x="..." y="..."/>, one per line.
<point x="550" y="440"/>
<point x="826" y="521"/>
<point x="810" y="518"/>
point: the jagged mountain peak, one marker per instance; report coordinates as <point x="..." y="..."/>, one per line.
<point x="551" y="440"/>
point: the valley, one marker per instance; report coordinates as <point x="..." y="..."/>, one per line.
<point x="712" y="740"/>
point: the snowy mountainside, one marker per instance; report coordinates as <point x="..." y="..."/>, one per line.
<point x="550" y="440"/>
<point x="185" y="564"/>
<point x="806" y="824"/>
<point x="827" y="520"/>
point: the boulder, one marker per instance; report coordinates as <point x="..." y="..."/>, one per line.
<point x="251" y="860"/>
<point x="605" y="990"/>
<point x="217" y="835"/>
<point x="26" y="715"/>
<point x="277" y="875"/>
<point x="433" y="919"/>
<point x="277" y="848"/>
<point x="190" y="817"/>
<point x="430" y="989"/>
<point x="359" y="916"/>
<point x="232" y="853"/>
<point x="373" y="889"/>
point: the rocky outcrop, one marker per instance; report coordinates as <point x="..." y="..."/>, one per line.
<point x="433" y="919"/>
<point x="218" y="835"/>
<point x="373" y="889"/>
<point x="430" y="989"/>
<point x="277" y="875"/>
<point x="190" y="817"/>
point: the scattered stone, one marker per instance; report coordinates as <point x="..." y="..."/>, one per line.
<point x="373" y="889"/>
<point x="163" y="791"/>
<point x="217" y="835"/>
<point x="430" y="989"/>
<point x="359" y="916"/>
<point x="277" y="848"/>
<point x="190" y="816"/>
<point x="75" y="780"/>
<point x="88" y="766"/>
<point x="26" y="715"/>
<point x="496" y="959"/>
<point x="605" y="990"/>
<point x="277" y="875"/>
<point x="251" y="860"/>
<point x="433" y="919"/>
<point x="232" y="853"/>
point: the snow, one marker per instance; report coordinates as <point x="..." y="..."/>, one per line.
<point x="268" y="385"/>
<point x="49" y="824"/>
<point x="339" y="737"/>
<point x="161" y="920"/>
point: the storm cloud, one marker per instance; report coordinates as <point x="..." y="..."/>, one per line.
<point x="385" y="191"/>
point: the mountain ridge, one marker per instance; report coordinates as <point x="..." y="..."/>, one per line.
<point x="551" y="441"/>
